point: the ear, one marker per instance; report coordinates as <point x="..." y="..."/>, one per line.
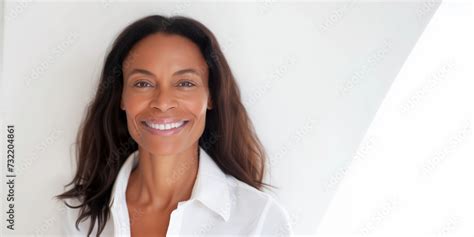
<point x="209" y="104"/>
<point x="121" y="105"/>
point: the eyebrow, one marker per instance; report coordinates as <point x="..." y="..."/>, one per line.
<point x="187" y="70"/>
<point x="177" y="73"/>
<point x="142" y="71"/>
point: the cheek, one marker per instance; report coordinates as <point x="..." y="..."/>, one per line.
<point x="197" y="109"/>
<point x="197" y="106"/>
<point x="134" y="105"/>
<point x="135" y="102"/>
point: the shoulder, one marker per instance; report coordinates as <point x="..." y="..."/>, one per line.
<point x="270" y="217"/>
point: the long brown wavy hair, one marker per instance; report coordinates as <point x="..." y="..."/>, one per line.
<point x="103" y="140"/>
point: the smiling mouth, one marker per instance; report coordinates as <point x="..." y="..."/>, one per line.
<point x="165" y="126"/>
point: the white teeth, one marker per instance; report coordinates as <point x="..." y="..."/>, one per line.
<point x="165" y="126"/>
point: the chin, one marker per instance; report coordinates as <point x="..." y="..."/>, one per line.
<point x="163" y="148"/>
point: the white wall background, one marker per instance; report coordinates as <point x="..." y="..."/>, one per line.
<point x="414" y="174"/>
<point x="312" y="76"/>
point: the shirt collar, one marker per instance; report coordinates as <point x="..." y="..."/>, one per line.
<point x="210" y="187"/>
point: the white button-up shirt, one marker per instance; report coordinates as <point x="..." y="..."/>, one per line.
<point x="219" y="205"/>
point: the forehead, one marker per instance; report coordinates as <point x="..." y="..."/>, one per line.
<point x="165" y="52"/>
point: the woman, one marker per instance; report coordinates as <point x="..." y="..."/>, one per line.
<point x="167" y="147"/>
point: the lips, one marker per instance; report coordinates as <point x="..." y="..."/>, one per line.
<point x="164" y="126"/>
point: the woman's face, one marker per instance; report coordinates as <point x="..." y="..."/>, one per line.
<point x="165" y="93"/>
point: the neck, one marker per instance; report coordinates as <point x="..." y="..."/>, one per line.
<point x="163" y="181"/>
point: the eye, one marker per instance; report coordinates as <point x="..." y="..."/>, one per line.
<point x="185" y="84"/>
<point x="142" y="84"/>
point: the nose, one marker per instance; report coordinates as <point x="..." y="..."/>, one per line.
<point x="163" y="100"/>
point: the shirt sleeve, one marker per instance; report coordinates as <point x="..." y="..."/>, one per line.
<point x="275" y="220"/>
